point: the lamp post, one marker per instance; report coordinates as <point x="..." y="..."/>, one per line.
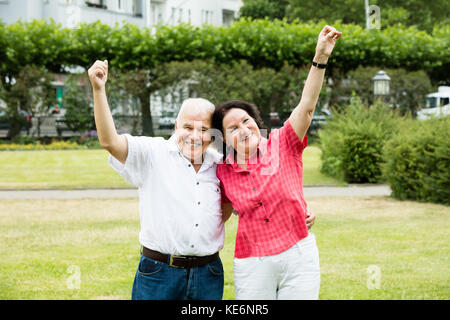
<point x="381" y="83"/>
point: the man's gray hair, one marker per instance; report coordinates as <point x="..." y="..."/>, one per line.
<point x="197" y="106"/>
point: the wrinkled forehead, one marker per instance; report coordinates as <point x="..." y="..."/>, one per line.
<point x="195" y="118"/>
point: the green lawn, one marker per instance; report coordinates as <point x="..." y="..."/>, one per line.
<point x="69" y="169"/>
<point x="42" y="239"/>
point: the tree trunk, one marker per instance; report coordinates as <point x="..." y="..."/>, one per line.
<point x="15" y="126"/>
<point x="147" y="123"/>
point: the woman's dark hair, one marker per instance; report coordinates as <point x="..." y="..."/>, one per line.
<point x="223" y="108"/>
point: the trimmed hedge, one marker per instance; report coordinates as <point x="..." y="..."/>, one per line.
<point x="417" y="161"/>
<point x="263" y="43"/>
<point x="352" y="141"/>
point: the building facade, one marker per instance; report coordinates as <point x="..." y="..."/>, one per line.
<point x="144" y="13"/>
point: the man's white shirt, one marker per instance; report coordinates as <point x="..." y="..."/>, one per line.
<point x="179" y="209"/>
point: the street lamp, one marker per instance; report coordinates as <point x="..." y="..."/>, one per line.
<point x="381" y="84"/>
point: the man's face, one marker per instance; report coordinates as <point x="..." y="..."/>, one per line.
<point x="193" y="135"/>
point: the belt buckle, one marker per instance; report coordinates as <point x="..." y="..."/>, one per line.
<point x="176" y="257"/>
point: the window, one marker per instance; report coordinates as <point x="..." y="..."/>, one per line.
<point x="431" y="102"/>
<point x="157" y="13"/>
<point x="227" y="17"/>
<point x="172" y="15"/>
<point x="120" y="5"/>
<point x="137" y="8"/>
<point x="96" y="4"/>
<point x="206" y="16"/>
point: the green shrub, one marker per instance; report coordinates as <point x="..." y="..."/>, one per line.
<point x="417" y="161"/>
<point x="352" y="141"/>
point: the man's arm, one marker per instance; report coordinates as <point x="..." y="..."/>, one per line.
<point x="227" y="210"/>
<point x="114" y="143"/>
<point x="301" y="117"/>
<point x="310" y="219"/>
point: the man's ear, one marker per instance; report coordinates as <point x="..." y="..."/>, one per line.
<point x="176" y="125"/>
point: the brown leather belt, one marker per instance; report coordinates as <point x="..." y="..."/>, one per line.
<point x="179" y="261"/>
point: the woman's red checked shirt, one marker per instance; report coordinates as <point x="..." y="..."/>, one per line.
<point x="268" y="195"/>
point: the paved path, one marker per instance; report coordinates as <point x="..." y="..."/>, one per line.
<point x="310" y="192"/>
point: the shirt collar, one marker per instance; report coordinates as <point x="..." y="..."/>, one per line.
<point x="261" y="152"/>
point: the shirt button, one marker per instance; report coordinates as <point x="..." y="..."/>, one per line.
<point x="198" y="203"/>
<point x="254" y="189"/>
<point x="259" y="203"/>
<point x="198" y="183"/>
<point x="196" y="224"/>
<point x="266" y="219"/>
<point x="192" y="246"/>
<point x="189" y="165"/>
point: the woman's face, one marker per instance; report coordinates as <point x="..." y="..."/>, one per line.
<point x="241" y="132"/>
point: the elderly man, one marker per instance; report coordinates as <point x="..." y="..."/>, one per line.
<point x="182" y="221"/>
<point x="182" y="229"/>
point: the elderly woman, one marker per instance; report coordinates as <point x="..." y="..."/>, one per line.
<point x="275" y="255"/>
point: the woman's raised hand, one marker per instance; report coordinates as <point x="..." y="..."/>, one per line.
<point x="326" y="41"/>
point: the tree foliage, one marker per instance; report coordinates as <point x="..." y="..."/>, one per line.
<point x="261" y="9"/>
<point x="30" y="92"/>
<point x="422" y="14"/>
<point x="407" y="89"/>
<point x="269" y="89"/>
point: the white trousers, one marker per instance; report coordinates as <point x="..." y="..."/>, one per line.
<point x="291" y="275"/>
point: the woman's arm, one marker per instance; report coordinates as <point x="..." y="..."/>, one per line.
<point x="301" y="117"/>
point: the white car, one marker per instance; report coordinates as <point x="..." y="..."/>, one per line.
<point x="436" y="104"/>
<point x="166" y="122"/>
<point x="427" y="113"/>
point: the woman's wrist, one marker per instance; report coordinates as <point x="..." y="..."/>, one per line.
<point x="320" y="58"/>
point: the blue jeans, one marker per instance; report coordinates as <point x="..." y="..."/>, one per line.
<point x="156" y="280"/>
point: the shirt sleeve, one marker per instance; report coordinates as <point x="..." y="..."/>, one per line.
<point x="293" y="144"/>
<point x="139" y="160"/>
